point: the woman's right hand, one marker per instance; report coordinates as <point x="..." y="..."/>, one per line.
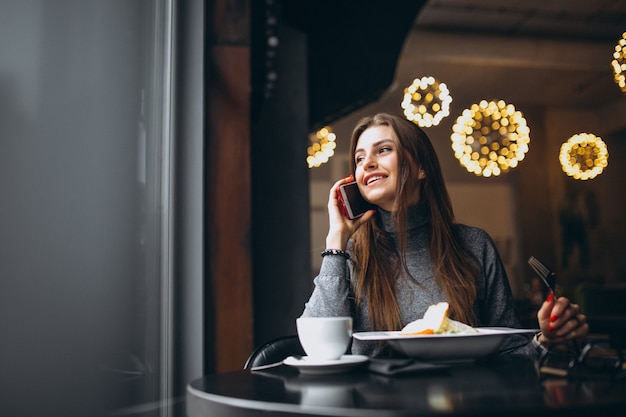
<point x="340" y="227"/>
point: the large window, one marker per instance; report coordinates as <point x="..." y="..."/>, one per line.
<point x="90" y="208"/>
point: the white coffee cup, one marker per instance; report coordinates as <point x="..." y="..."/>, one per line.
<point x="324" y="338"/>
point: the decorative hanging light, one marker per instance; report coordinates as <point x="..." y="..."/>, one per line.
<point x="619" y="63"/>
<point x="426" y="102"/>
<point x="322" y="147"/>
<point x="584" y="156"/>
<point x="490" y="138"/>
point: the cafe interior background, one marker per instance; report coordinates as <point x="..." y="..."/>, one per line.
<point x="159" y="218"/>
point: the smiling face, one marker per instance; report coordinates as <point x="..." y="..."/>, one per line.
<point x="376" y="159"/>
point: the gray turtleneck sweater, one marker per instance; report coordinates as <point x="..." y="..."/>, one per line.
<point x="494" y="306"/>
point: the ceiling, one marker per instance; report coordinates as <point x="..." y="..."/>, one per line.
<point x="555" y="52"/>
<point x="585" y="20"/>
<point x="532" y="53"/>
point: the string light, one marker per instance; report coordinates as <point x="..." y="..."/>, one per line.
<point x="426" y="102"/>
<point x="584" y="156"/>
<point x="490" y="138"/>
<point x="619" y="63"/>
<point x="322" y="147"/>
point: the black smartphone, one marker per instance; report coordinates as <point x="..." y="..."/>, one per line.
<point x="351" y="201"/>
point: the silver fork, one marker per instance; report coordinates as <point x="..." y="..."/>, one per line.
<point x="547" y="276"/>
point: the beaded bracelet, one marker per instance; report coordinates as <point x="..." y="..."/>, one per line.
<point x="335" y="252"/>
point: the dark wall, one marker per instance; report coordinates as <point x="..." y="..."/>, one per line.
<point x="280" y="194"/>
<point x="352" y="50"/>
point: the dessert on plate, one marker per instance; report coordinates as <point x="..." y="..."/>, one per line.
<point x="436" y="321"/>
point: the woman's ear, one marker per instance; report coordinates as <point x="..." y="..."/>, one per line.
<point x="421" y="174"/>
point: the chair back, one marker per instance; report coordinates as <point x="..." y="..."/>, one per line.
<point x="274" y="351"/>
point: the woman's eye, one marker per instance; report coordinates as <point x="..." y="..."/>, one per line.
<point x="385" y="149"/>
<point x="358" y="159"/>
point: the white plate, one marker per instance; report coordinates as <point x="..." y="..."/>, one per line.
<point x="308" y="365"/>
<point x="459" y="347"/>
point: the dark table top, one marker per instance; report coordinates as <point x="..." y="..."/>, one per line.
<point x="507" y="386"/>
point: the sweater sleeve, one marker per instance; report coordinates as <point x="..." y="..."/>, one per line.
<point x="495" y="305"/>
<point x="331" y="294"/>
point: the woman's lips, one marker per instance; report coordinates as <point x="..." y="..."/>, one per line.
<point x="373" y="179"/>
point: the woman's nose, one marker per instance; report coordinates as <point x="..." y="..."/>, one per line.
<point x="369" y="161"/>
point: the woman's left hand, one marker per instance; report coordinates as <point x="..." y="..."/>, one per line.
<point x="561" y="320"/>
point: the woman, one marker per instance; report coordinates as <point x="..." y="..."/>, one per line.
<point x="388" y="266"/>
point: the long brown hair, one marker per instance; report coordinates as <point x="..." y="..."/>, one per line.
<point x="379" y="262"/>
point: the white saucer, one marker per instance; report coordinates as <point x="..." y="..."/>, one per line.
<point x="308" y="365"/>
